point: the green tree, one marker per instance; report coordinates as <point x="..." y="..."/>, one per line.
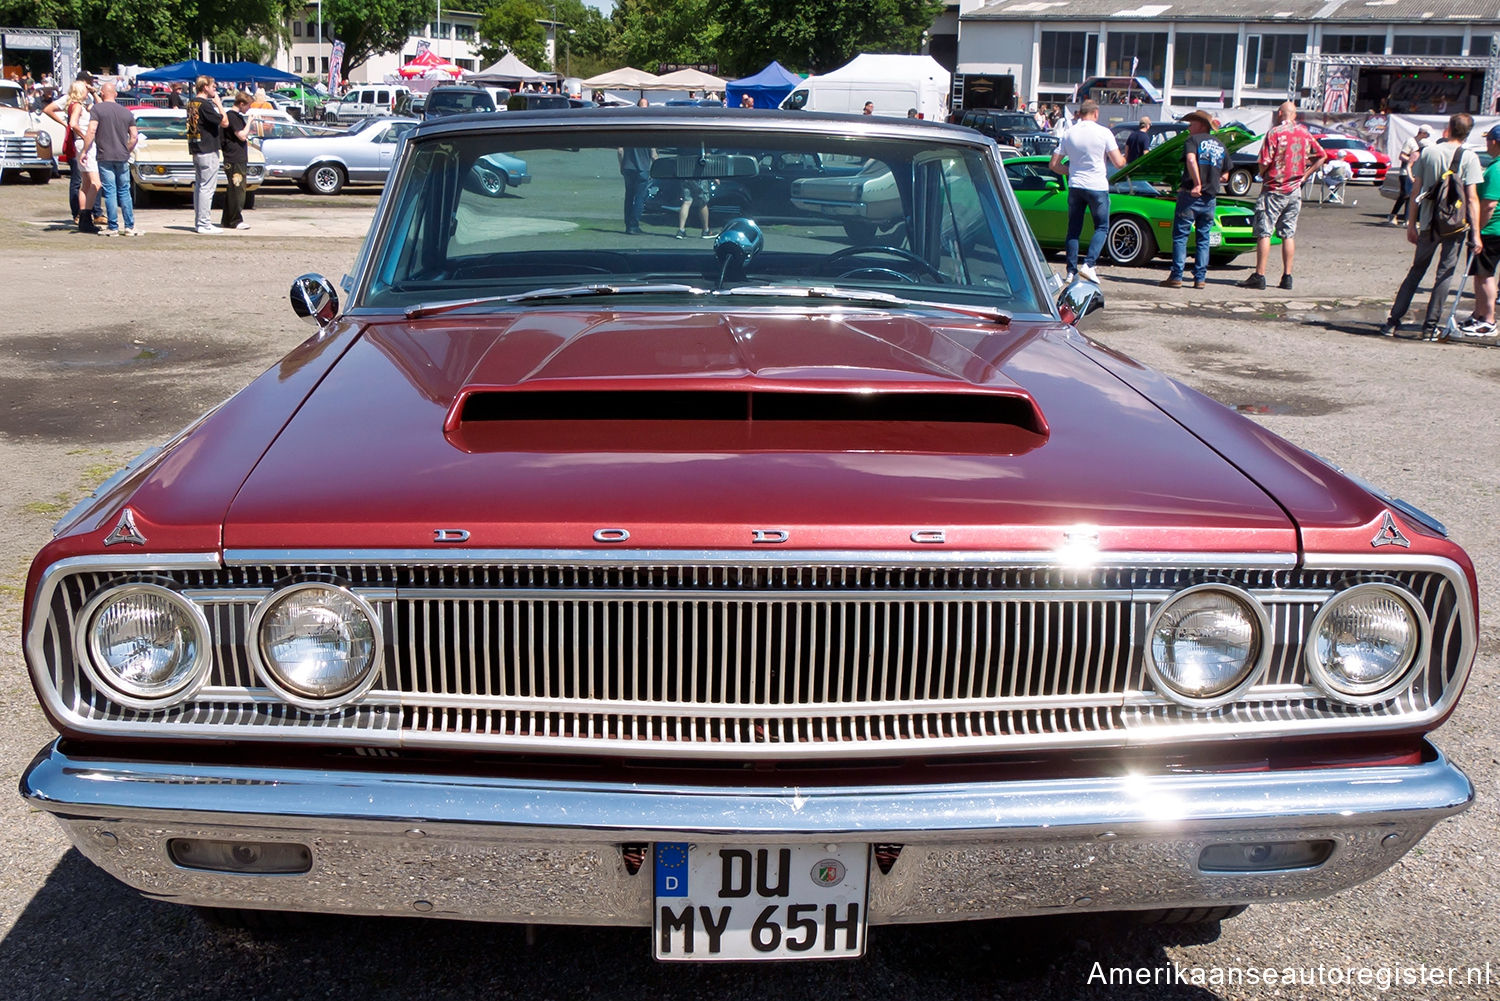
<point x="513" y="26"/>
<point x="370" y="27"/>
<point x="816" y="35"/>
<point x="652" y="32"/>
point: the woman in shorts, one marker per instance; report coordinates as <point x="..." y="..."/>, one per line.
<point x="694" y="196"/>
<point x="85" y="157"/>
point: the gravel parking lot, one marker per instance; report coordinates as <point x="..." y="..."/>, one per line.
<point x="111" y="345"/>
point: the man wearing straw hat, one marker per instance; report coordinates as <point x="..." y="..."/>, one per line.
<point x="1204" y="161"/>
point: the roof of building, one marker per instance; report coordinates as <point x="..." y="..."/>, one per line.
<point x="1455" y="12"/>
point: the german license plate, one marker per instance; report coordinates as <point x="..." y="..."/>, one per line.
<point x="732" y="902"/>
<point x="1215" y="238"/>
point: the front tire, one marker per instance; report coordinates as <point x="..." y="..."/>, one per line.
<point x="326" y="179"/>
<point x="1190" y="915"/>
<point x="1130" y="241"/>
<point x="139" y="197"/>
<point x="249" y="199"/>
<point x="1240" y="180"/>
<point x="39" y="176"/>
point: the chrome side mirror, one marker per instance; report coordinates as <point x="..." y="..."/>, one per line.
<point x="1078" y="299"/>
<point x="314" y="299"/>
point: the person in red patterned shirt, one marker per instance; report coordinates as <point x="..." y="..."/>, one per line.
<point x="1287" y="156"/>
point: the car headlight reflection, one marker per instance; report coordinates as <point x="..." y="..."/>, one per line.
<point x="1206" y="644"/>
<point x="145" y="645"/>
<point x="316" y="644"/>
<point x="1365" y="642"/>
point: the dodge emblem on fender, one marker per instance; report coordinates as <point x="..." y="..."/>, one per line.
<point x="1390" y="535"/>
<point x="125" y="531"/>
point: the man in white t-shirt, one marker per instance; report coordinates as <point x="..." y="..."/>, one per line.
<point x="1087" y="147"/>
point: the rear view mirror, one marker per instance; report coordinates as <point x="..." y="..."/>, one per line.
<point x="683" y="166"/>
<point x="314" y="300"/>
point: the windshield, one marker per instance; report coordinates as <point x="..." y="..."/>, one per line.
<point x="452" y="102"/>
<point x="510" y="211"/>
<point x="1014" y="123"/>
<point x="10" y="97"/>
<point x="1342" y="144"/>
<point x="162" y="126"/>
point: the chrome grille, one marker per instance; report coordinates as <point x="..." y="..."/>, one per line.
<point x="13" y="147"/>
<point x="721" y="660"/>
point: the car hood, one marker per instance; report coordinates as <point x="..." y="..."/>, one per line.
<point x="827" y="429"/>
<point x="176" y="151"/>
<point x="1163" y="164"/>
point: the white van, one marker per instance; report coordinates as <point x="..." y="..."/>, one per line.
<point x="365" y="101"/>
<point x="894" y="83"/>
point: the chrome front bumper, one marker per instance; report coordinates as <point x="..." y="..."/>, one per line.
<point x="551" y="852"/>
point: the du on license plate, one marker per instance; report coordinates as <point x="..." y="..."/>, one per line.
<point x="717" y="902"/>
<point x="1215" y="238"/>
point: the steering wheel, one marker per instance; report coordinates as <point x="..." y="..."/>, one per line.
<point x="839" y="256"/>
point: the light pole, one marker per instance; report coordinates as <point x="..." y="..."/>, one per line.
<point x="321" y="70"/>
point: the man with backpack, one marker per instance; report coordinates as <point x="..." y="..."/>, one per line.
<point x="1441" y="220"/>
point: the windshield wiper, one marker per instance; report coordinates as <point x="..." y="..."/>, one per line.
<point x="865" y="296"/>
<point x="564" y="292"/>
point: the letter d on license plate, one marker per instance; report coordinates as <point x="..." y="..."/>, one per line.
<point x="717" y="901"/>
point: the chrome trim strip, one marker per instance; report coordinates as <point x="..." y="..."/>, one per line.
<point x="320" y="799"/>
<point x="748" y="556"/>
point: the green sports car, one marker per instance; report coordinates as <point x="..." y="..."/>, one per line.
<point x="1141" y="205"/>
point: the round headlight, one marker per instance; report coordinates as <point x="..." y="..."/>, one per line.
<point x="1366" y="641"/>
<point x="144" y="645"/>
<point x="316" y="645"/>
<point x="1206" y="644"/>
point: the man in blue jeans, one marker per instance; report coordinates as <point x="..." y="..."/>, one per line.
<point x="1086" y="147"/>
<point x="1204" y="162"/>
<point x="113" y="133"/>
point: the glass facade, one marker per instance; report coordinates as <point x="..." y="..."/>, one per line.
<point x="1068" y="57"/>
<point x="1428" y="45"/>
<point x="1354" y="45"/>
<point x="1204" y="60"/>
<point x="1148" y="49"/>
<point x="1268" y="60"/>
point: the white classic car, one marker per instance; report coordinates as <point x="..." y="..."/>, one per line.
<point x="161" y="161"/>
<point x="26" y="142"/>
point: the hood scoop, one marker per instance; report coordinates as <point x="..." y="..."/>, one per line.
<point x="709" y="416"/>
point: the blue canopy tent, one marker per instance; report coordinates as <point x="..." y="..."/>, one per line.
<point x="767" y="88"/>
<point x="241" y="72"/>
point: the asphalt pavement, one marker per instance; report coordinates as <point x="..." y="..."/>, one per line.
<point x="109" y="346"/>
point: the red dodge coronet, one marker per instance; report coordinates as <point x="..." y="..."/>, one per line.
<point x="750" y="578"/>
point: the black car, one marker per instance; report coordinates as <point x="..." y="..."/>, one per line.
<point x="1014" y="128"/>
<point x="1243" y="167"/>
<point x="533" y="101"/>
<point x="457" y="99"/>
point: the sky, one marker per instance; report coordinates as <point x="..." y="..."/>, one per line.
<point x="605" y="6"/>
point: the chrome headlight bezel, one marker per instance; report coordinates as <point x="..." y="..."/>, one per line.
<point x="289" y="693"/>
<point x="88" y="653"/>
<point x="1369" y="693"/>
<point x="1260" y="620"/>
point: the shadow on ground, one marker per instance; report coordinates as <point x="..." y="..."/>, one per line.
<point x="86" y="936"/>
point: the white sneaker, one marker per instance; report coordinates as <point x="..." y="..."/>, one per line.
<point x="132" y="232"/>
<point x="241" y="225"/>
<point x="209" y="230"/>
<point x="1088" y="273"/>
<point x="1477" y="328"/>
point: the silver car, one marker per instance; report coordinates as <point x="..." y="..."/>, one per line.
<point x="324" y="164"/>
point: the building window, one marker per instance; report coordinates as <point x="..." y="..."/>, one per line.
<point x="1354" y="45"/>
<point x="325" y="65"/>
<point x="1147" y="49"/>
<point x="463" y="32"/>
<point x="297" y="29"/>
<point x="464" y="64"/>
<point x="1204" y="60"/>
<point x="1428" y="45"/>
<point x="1268" y="60"/>
<point x="296" y="64"/>
<point x="1068" y="57"/>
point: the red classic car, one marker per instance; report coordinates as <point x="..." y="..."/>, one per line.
<point x="754" y="590"/>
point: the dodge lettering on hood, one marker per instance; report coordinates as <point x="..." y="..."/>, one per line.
<point x="737" y="573"/>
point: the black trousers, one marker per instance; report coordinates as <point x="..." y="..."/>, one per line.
<point x="234" y="195"/>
